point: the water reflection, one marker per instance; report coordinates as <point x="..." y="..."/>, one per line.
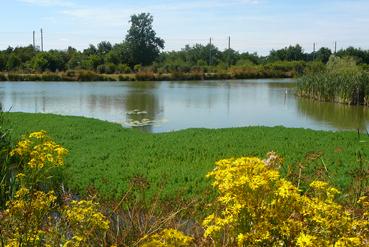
<point x="142" y="106"/>
<point x="337" y="115"/>
<point x="166" y="106"/>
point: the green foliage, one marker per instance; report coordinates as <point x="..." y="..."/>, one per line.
<point x="144" y="46"/>
<point x="343" y="81"/>
<point x="13" y="62"/>
<point x="362" y="56"/>
<point x="323" y="55"/>
<point x="291" y="53"/>
<point x="6" y="173"/>
<point x="105" y="156"/>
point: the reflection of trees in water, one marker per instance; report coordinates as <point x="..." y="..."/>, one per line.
<point x="339" y="116"/>
<point x="142" y="98"/>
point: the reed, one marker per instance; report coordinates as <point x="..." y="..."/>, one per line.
<point x="347" y="88"/>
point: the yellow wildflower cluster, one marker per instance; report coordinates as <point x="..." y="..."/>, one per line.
<point x="24" y="218"/>
<point x="33" y="217"/>
<point x="168" y="238"/>
<point x="38" y="150"/>
<point x="258" y="208"/>
<point x="85" y="221"/>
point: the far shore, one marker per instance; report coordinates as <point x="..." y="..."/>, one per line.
<point x="85" y="75"/>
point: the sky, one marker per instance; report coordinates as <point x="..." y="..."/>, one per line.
<point x="253" y="25"/>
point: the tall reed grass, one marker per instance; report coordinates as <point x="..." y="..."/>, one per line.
<point x="342" y="82"/>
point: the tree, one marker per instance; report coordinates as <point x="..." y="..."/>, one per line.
<point x="91" y="50"/>
<point x="104" y="47"/>
<point x="13" y="62"/>
<point x="2" y="62"/>
<point x="323" y="54"/>
<point x="143" y="45"/>
<point x="291" y="53"/>
<point x="119" y="54"/>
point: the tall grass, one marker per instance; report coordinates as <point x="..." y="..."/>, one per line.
<point x="342" y="82"/>
<point x="7" y="176"/>
<point x="347" y="88"/>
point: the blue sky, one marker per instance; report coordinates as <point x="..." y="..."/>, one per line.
<point x="254" y="25"/>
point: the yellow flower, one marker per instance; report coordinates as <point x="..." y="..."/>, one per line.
<point x="305" y="240"/>
<point x="168" y="238"/>
<point x="319" y="185"/>
<point x="38" y="135"/>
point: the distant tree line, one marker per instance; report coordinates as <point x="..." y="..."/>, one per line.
<point x="142" y="49"/>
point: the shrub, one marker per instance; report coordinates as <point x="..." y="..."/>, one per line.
<point x="34" y="217"/>
<point x="168" y="238"/>
<point x="123" y="68"/>
<point x="256" y="207"/>
<point x="3" y="77"/>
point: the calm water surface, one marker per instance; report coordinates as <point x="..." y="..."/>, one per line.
<point x="167" y="106"/>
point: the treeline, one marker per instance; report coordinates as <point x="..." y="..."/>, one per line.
<point x="141" y="53"/>
<point x="106" y="58"/>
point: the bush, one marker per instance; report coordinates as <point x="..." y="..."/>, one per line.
<point x="108" y="68"/>
<point x="123" y="69"/>
<point x="84" y="75"/>
<point x="3" y="77"/>
<point x="145" y="76"/>
<point x="167" y="238"/>
<point x="33" y="217"/>
<point x="256" y="207"/>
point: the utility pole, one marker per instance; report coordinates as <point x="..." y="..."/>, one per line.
<point x="229" y="51"/>
<point x="335" y="47"/>
<point x="42" y="40"/>
<point x="34" y="40"/>
<point x="210" y="53"/>
<point x="314" y="51"/>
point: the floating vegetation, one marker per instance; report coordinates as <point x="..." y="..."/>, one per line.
<point x="144" y="122"/>
<point x="137" y="112"/>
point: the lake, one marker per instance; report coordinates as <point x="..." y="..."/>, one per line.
<point x="168" y="106"/>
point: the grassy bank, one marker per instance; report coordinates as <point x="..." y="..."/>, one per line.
<point x="278" y="70"/>
<point x="106" y="157"/>
<point x="144" y="76"/>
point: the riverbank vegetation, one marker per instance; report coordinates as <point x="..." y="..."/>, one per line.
<point x="287" y="201"/>
<point x="141" y="57"/>
<point x="341" y="81"/>
<point x="106" y="156"/>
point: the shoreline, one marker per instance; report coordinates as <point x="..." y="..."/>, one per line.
<point x="140" y="76"/>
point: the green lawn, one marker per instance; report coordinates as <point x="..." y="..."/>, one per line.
<point x="106" y="156"/>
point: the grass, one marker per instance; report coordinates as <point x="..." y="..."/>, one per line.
<point x="106" y="157"/>
<point x="86" y="75"/>
<point x="346" y="88"/>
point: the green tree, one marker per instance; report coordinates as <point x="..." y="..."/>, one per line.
<point x="2" y="62"/>
<point x="91" y="50"/>
<point x="119" y="54"/>
<point x="291" y="53"/>
<point x="13" y="62"/>
<point x="323" y="54"/>
<point x="104" y="47"/>
<point x="143" y="45"/>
